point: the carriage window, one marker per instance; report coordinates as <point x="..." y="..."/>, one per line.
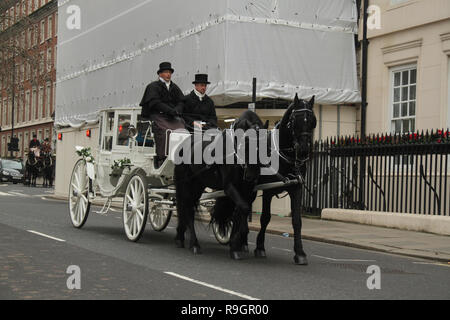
<point x="124" y="122"/>
<point x="101" y="131"/>
<point x="107" y="143"/>
<point x="109" y="122"/>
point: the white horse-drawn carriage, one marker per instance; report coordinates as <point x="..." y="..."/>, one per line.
<point x="124" y="167"/>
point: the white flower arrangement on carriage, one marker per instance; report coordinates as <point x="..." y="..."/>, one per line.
<point x="124" y="167"/>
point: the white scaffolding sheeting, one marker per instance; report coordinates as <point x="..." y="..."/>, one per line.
<point x="290" y="46"/>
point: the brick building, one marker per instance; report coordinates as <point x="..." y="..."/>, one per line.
<point x="30" y="25"/>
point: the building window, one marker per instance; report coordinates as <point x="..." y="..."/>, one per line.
<point x="48" y="94"/>
<point x="36" y="35"/>
<point x="27" y="106"/>
<point x="41" y="63"/>
<point x="42" y="31"/>
<point x="3" y="146"/>
<point x="403" y="105"/>
<point x="33" y="104"/>
<point x="41" y="102"/>
<point x="50" y="28"/>
<point x="17" y="12"/>
<point x="16" y="107"/>
<point x="5" y="107"/>
<point x="20" y="109"/>
<point x="20" y="143"/>
<point x="9" y="111"/>
<point x="49" y="60"/>
<point x="26" y="140"/>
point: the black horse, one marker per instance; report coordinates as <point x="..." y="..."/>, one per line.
<point x="237" y="181"/>
<point x="295" y="147"/>
<point x="295" y="136"/>
<point x="33" y="168"/>
<point x="48" y="168"/>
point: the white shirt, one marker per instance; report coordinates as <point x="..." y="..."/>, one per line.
<point x="167" y="83"/>
<point x="199" y="95"/>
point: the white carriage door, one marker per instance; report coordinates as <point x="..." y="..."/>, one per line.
<point x="104" y="158"/>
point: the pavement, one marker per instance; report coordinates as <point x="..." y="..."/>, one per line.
<point x="408" y="243"/>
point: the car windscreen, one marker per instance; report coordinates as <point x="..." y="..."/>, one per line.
<point x="8" y="164"/>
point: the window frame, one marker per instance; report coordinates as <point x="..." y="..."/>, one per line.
<point x="392" y="87"/>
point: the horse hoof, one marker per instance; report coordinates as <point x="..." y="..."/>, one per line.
<point x="235" y="255"/>
<point x="300" y="260"/>
<point x="260" y="253"/>
<point x="196" y="250"/>
<point x="179" y="243"/>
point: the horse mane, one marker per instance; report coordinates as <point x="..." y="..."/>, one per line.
<point x="249" y="116"/>
<point x="287" y="114"/>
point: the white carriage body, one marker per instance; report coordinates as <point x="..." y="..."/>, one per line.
<point x="115" y="144"/>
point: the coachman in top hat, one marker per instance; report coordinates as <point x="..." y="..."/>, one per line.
<point x="161" y="103"/>
<point x="198" y="109"/>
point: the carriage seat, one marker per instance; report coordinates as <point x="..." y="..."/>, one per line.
<point x="142" y="127"/>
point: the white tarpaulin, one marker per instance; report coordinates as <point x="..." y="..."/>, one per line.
<point x="290" y="46"/>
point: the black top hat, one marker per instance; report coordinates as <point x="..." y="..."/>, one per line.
<point x="201" y="78"/>
<point x="165" y="66"/>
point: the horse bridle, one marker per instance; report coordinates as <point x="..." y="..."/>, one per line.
<point x="291" y="126"/>
<point x="244" y="165"/>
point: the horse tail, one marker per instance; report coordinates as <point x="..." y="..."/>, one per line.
<point x="222" y="213"/>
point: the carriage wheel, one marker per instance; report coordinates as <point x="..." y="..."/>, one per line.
<point x="222" y="238"/>
<point x="135" y="207"/>
<point x="160" y="215"/>
<point x="79" y="204"/>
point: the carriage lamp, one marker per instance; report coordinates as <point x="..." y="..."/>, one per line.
<point x="60" y="136"/>
<point x="88" y="133"/>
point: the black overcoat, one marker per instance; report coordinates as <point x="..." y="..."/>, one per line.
<point x="157" y="99"/>
<point x="195" y="110"/>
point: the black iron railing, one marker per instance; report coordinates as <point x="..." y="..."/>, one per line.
<point x="408" y="173"/>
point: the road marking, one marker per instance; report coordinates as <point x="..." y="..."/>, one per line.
<point x="47" y="236"/>
<point x="287" y="250"/>
<point x="244" y="296"/>
<point x="19" y="194"/>
<point x="343" y="260"/>
<point x="434" y="263"/>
